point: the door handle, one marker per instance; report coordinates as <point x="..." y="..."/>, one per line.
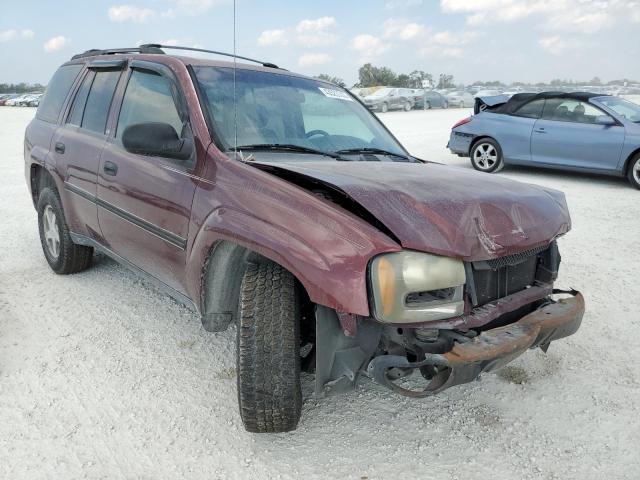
<point x="59" y="147"/>
<point x="110" y="168"/>
<point x="540" y="130"/>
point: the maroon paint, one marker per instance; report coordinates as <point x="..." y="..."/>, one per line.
<point x="447" y="210"/>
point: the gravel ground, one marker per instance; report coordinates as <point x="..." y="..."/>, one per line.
<point x="101" y="376"/>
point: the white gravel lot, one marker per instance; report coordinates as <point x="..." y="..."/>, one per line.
<point x="101" y="376"/>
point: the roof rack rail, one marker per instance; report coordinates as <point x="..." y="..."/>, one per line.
<point x="156" y="48"/>
<point x="111" y="51"/>
<point x="215" y="52"/>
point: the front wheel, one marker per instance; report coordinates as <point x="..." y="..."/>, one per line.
<point x="268" y="350"/>
<point x="486" y="156"/>
<point x="407" y="106"/>
<point x="63" y="256"/>
<point x="634" y="171"/>
<point x="384" y="108"/>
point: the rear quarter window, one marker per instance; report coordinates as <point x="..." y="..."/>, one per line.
<point x="531" y="110"/>
<point x="57" y="92"/>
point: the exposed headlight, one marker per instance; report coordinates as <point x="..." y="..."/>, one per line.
<point x="410" y="287"/>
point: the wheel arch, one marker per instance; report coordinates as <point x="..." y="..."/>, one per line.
<point x="221" y="279"/>
<point x="627" y="162"/>
<point x="39" y="178"/>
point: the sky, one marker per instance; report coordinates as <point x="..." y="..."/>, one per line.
<point x="507" y="40"/>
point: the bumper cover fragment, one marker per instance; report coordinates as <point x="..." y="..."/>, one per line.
<point x="490" y="350"/>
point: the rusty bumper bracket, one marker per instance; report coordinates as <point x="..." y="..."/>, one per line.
<point x="490" y="350"/>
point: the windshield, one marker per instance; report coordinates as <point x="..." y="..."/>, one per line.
<point x="277" y="109"/>
<point x="624" y="108"/>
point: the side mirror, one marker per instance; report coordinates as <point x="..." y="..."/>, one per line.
<point x="156" y="139"/>
<point x="605" y="120"/>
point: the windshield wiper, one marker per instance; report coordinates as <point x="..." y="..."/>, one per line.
<point x="290" y="147"/>
<point x="374" y="151"/>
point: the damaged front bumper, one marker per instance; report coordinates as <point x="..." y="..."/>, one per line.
<point x="490" y="350"/>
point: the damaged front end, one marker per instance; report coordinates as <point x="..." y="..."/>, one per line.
<point x="508" y="305"/>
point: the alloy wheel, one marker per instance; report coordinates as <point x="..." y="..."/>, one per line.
<point x="50" y="230"/>
<point x="485" y="156"/>
<point x="636" y="172"/>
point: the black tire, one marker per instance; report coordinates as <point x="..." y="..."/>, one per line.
<point x="268" y="350"/>
<point x="384" y="108"/>
<point x="486" y="156"/>
<point x="407" y="106"/>
<point x="71" y="258"/>
<point x="633" y="172"/>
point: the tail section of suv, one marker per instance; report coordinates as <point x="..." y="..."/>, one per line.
<point x="279" y="204"/>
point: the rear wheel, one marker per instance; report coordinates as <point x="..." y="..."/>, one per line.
<point x="407" y="106"/>
<point x="634" y="171"/>
<point x="384" y="108"/>
<point x="486" y="156"/>
<point x="63" y="256"/>
<point x="268" y="350"/>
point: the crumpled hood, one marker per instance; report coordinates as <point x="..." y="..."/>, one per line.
<point x="446" y="210"/>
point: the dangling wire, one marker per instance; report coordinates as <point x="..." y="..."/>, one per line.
<point x="235" y="100"/>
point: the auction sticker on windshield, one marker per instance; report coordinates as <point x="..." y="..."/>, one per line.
<point x="331" y="93"/>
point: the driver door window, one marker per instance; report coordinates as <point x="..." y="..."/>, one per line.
<point x="570" y="110"/>
<point x="148" y="99"/>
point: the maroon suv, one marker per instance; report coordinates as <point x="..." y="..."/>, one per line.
<point x="280" y="204"/>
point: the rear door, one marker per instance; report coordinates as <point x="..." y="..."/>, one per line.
<point x="567" y="135"/>
<point x="144" y="202"/>
<point x="78" y="143"/>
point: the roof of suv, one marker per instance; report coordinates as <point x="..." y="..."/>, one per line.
<point x="155" y="52"/>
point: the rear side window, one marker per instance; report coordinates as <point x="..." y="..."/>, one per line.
<point x="57" y="92"/>
<point x="148" y="99"/>
<point x="531" y="109"/>
<point x="77" y="110"/>
<point x="96" y="109"/>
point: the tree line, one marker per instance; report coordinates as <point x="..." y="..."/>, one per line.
<point x="21" y="87"/>
<point x="371" y="76"/>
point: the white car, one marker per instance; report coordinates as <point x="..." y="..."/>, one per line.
<point x="16" y="102"/>
<point x="460" y="99"/>
<point x="488" y="93"/>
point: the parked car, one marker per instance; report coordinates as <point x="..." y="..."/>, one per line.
<point x="14" y="101"/>
<point x="7" y="98"/>
<point x="426" y="99"/>
<point x="460" y="99"/>
<point x="279" y="204"/>
<point x="572" y="131"/>
<point x="487" y="93"/>
<point x="390" y="99"/>
<point x="34" y="100"/>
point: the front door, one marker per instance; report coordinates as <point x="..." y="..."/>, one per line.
<point x="144" y="202"/>
<point x="567" y="135"/>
